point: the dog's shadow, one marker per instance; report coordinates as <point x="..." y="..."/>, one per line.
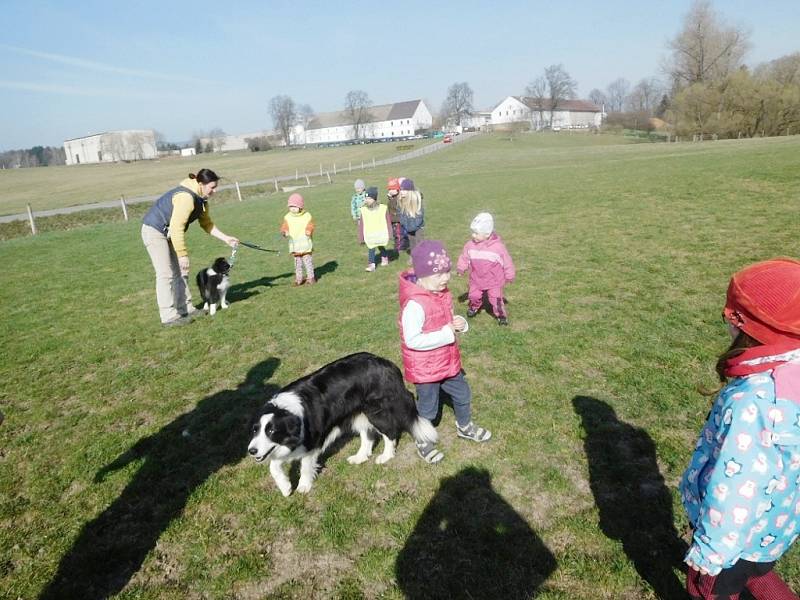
<point x="175" y="460"/>
<point x="471" y="543"/>
<point x="242" y="291"/>
<point x="635" y="505"/>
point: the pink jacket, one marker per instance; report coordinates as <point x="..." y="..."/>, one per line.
<point x="428" y="366"/>
<point x="489" y="263"/>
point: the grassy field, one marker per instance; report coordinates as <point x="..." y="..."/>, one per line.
<point x="56" y="187"/>
<point x="123" y="465"/>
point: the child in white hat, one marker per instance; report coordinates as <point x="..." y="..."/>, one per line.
<point x="490" y="267"/>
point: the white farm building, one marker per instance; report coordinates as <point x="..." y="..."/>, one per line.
<point x="568" y="114"/>
<point x="112" y="146"/>
<point x="386" y="121"/>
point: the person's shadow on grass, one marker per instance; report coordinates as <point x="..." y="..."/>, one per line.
<point x="470" y="543"/>
<point x="174" y="462"/>
<point x="634" y="503"/>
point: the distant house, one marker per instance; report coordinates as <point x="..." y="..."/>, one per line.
<point x="568" y="114"/>
<point x="112" y="146"/>
<point x="474" y="121"/>
<point x="386" y="121"/>
<point x="229" y="143"/>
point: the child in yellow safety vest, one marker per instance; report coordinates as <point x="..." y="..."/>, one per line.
<point x="298" y="227"/>
<point x="376" y="228"/>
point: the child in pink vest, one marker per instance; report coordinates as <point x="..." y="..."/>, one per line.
<point x="490" y="267"/>
<point x="431" y="359"/>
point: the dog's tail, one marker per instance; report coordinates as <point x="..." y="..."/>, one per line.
<point x="423" y="431"/>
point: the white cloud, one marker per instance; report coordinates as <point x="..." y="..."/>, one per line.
<point x="102" y="67"/>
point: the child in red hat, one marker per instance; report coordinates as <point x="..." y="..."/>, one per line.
<point x="392" y="196"/>
<point x="298" y="226"/>
<point x="740" y="490"/>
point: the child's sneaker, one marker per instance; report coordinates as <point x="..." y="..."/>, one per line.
<point x="471" y="312"/>
<point x="298" y="283"/>
<point x="502" y="321"/>
<point x="473" y="432"/>
<point x="370" y="267"/>
<point x="311" y="281"/>
<point x="384" y="261"/>
<point x="429" y="453"/>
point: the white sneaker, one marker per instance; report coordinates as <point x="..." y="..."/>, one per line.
<point x="370" y="268"/>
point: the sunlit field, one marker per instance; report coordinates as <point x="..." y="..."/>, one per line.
<point x="123" y="466"/>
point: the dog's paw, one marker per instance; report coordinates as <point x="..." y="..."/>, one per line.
<point x="304" y="486"/>
<point x="286" y="490"/>
<point x="382" y="458"/>
<point x="225" y="304"/>
<point x="358" y="459"/>
<point x="212" y="310"/>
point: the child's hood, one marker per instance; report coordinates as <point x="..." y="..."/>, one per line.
<point x="775" y="397"/>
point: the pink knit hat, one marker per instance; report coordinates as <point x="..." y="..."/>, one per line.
<point x="296" y="200"/>
<point x="764" y="301"/>
<point x="430" y="258"/>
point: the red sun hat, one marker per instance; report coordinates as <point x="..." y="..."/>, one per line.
<point x="393" y="184"/>
<point x="764" y="301"/>
<point x="296" y="200"/>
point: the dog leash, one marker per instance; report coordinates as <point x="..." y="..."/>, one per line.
<point x="257" y="247"/>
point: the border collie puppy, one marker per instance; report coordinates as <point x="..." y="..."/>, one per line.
<point x="214" y="283"/>
<point x="361" y="393"/>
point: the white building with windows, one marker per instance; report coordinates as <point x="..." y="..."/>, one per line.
<point x="386" y="121"/>
<point x="568" y="114"/>
<point x="112" y="146"/>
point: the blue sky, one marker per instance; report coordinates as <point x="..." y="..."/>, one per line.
<point x="69" y="69"/>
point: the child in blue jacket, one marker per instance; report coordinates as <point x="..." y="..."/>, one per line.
<point x="740" y="490"/>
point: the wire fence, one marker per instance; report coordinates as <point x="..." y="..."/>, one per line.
<point x="280" y="183"/>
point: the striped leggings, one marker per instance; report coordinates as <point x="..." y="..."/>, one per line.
<point x="299" y="261"/>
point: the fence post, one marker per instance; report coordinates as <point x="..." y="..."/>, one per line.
<point x="334" y="168"/>
<point x="362" y="165"/>
<point x="124" y="208"/>
<point x="275" y="181"/>
<point x="30" y="218"/>
<point x="308" y="182"/>
<point x="296" y="174"/>
<point x="350" y="166"/>
<point x="328" y="173"/>
<point x="320" y="169"/>
<point x="238" y="191"/>
<point x="373" y="162"/>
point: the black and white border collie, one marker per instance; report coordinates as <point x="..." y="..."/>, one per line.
<point x="214" y="283"/>
<point x="362" y="393"/>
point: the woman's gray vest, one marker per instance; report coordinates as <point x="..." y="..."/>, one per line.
<point x="160" y="213"/>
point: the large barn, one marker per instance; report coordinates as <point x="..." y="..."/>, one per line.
<point x="112" y="146"/>
<point x="386" y="121"/>
<point x="568" y="114"/>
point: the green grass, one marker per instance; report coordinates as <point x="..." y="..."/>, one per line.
<point x="122" y="454"/>
<point x="57" y="187"/>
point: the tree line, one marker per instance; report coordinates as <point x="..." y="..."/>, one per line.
<point x="38" y="156"/>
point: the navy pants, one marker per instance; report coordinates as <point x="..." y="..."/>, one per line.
<point x="457" y="388"/>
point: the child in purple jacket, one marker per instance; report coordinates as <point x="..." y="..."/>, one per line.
<point x="490" y="267"/>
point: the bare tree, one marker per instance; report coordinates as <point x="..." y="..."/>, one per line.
<point x="644" y="96"/>
<point x="536" y="91"/>
<point x="304" y="114"/>
<point x="598" y="97"/>
<point x="560" y="87"/>
<point x="216" y="138"/>
<point x="458" y="103"/>
<point x="617" y="91"/>
<point x="356" y="106"/>
<point x="284" y="115"/>
<point x="706" y="49"/>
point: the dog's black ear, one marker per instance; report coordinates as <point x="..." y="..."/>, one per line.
<point x="294" y="430"/>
